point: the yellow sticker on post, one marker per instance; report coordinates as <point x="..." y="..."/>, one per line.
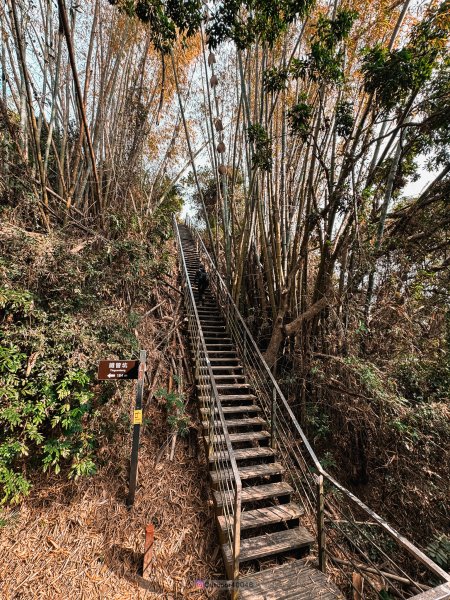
<point x="137" y="417"/>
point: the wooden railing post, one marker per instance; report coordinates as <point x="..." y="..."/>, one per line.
<point x="321" y="534"/>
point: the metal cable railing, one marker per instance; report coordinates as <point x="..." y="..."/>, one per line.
<point x="220" y="453"/>
<point x="351" y="538"/>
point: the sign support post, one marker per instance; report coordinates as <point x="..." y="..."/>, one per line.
<point x="137" y="422"/>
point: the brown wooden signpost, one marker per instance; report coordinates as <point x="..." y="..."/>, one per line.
<point x="113" y="370"/>
<point x="117" y="369"/>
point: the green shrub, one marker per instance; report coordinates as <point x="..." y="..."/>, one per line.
<point x="423" y="380"/>
<point x="439" y="551"/>
<point x="177" y="418"/>
<point x="44" y="401"/>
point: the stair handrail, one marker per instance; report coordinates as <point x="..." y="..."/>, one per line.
<point x="213" y="431"/>
<point x="321" y="475"/>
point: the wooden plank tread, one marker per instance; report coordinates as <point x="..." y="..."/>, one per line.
<point x="247" y="436"/>
<point x="263" y="470"/>
<point x="231" y="397"/>
<point x="244" y="454"/>
<point x="220" y="345"/>
<point x="233" y="409"/>
<point x="270" y="544"/>
<point x="227" y="386"/>
<point x="250" y="519"/>
<point x="294" y="580"/>
<point x="257" y="493"/>
<point x="226" y="368"/>
<point x="249" y="422"/>
<point x="222" y="359"/>
<point x="236" y="376"/>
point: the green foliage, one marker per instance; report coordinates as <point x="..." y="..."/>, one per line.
<point x="44" y="399"/>
<point x="372" y="381"/>
<point x="435" y="133"/>
<point x="326" y="57"/>
<point x="299" y="118"/>
<point x="393" y="75"/>
<point x="262" y="144"/>
<point x="241" y="22"/>
<point x="275" y="80"/>
<point x="161" y="228"/>
<point x="422" y="380"/>
<point x="328" y="461"/>
<point x="163" y="19"/>
<point x="362" y="328"/>
<point x="43" y="407"/>
<point x="17" y="303"/>
<point x="318" y="421"/>
<point x="64" y="306"/>
<point x="177" y="418"/>
<point x="246" y="22"/>
<point x="439" y="551"/>
<point x="389" y="74"/>
<point x="344" y="118"/>
<point x="299" y="68"/>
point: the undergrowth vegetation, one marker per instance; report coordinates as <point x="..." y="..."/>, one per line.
<point x="65" y="303"/>
<point x="385" y="429"/>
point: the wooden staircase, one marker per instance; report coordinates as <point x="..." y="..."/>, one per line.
<point x="274" y="545"/>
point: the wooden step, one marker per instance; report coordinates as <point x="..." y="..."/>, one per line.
<point x="218" y="376"/>
<point x="215" y="359"/>
<point x="236" y="397"/>
<point x="218" y="347"/>
<point x="270" y="544"/>
<point x="231" y="398"/>
<point x="227" y="368"/>
<point x="251" y="472"/>
<point x="228" y="386"/>
<point x="237" y="438"/>
<point x="233" y="409"/>
<point x="250" y="422"/>
<point x="250" y="519"/>
<point x="293" y="580"/>
<point x="257" y="493"/>
<point x="258" y="453"/>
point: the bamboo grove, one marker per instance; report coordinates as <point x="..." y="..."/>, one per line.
<point x="88" y="111"/>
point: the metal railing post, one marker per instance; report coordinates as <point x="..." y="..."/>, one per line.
<point x="236" y="540"/>
<point x="321" y="535"/>
<point x="245" y="346"/>
<point x="273" y="419"/>
<point x="211" y="408"/>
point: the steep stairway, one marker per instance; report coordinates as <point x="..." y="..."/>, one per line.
<point x="274" y="545"/>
